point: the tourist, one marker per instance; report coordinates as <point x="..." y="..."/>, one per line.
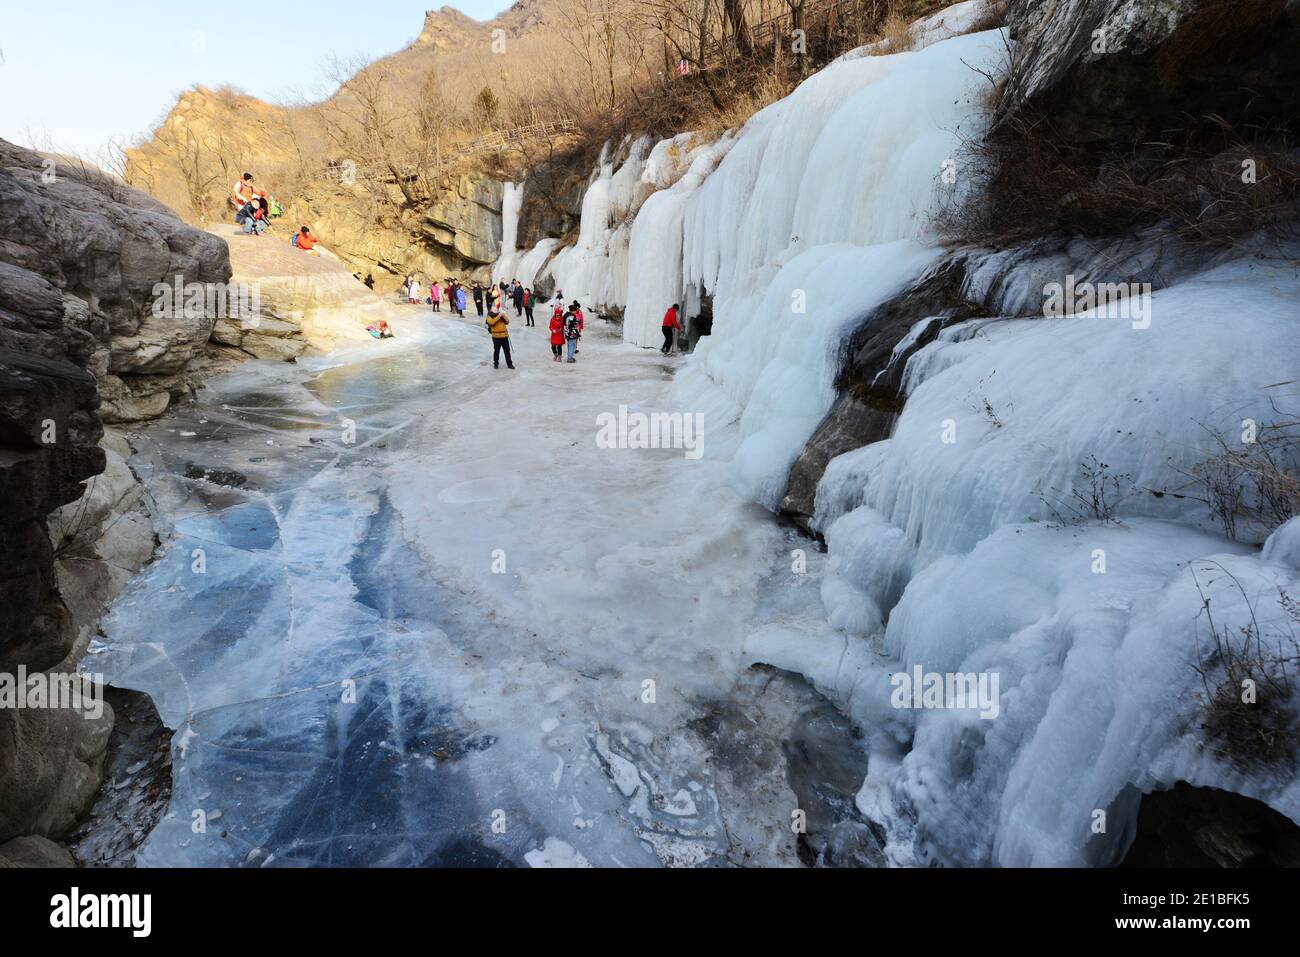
<point x="305" y="241"/>
<point x="557" y="334"/>
<point x="498" y="324"/>
<point x="670" y="325"/>
<point x="572" y="330"/>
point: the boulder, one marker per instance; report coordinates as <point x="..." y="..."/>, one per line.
<point x="301" y="301"/>
<point x="51" y="761"/>
<point x="1102" y="69"/>
<point x="33" y="851"/>
<point x="84" y="263"/>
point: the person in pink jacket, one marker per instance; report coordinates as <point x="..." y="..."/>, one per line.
<point x="435" y="293"/>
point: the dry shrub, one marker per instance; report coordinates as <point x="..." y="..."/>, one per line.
<point x="1212" y="182"/>
<point x="896" y="31"/>
<point x="1252" y="487"/>
<point x="1247" y="682"/>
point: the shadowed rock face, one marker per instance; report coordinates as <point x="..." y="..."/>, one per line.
<point x="84" y="252"/>
<point x="1188" y="826"/>
<point x="80" y="343"/>
<point x="870" y="382"/>
<point x="1113" y="68"/>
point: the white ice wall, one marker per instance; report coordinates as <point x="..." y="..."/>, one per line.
<point x="819" y="212"/>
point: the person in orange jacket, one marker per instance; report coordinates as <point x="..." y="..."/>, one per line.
<point x="306" y="241"/>
<point x="670" y="324"/>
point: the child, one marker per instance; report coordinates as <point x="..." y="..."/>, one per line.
<point x="557" y="334"/>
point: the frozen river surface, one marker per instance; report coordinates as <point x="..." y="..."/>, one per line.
<point x="409" y="612"/>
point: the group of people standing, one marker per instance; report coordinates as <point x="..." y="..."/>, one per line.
<point x="566" y="326"/>
<point x="450" y="291"/>
<point x="566" y="323"/>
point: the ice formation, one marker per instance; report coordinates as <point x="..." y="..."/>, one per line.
<point x="965" y="555"/>
<point x="947" y="547"/>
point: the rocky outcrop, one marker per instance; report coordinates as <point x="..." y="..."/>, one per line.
<point x="447" y="29"/>
<point x="34" y="851"/>
<point x="870" y="382"/>
<point x="81" y="246"/>
<point x="457" y="234"/>
<point x="81" y="260"/>
<point x="1187" y="826"/>
<point x="1108" y="68"/>
<point x="465" y="220"/>
<point x="301" y="302"/>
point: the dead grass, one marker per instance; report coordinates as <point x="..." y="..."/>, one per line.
<point x="1211" y="181"/>
<point x="1252" y="484"/>
<point x="896" y="31"/>
<point x="1247" y="681"/>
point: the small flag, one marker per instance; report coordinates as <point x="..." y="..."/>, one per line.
<point x="681" y="67"/>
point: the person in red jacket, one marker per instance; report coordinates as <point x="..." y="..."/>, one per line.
<point x="557" y="334"/>
<point x="669" y="325"/>
<point x="306" y="241"/>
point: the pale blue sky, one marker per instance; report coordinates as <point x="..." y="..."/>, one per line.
<point x="87" y="70"/>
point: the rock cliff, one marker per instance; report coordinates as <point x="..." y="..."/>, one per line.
<point x="81" y="343"/>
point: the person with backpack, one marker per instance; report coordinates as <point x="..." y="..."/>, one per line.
<point x="572" y="329"/>
<point x="576" y="309"/>
<point x="557" y="334"/>
<point x="670" y="324"/>
<point x="498" y="325"/>
<point x="305" y="241"/>
<point x="528" y="307"/>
